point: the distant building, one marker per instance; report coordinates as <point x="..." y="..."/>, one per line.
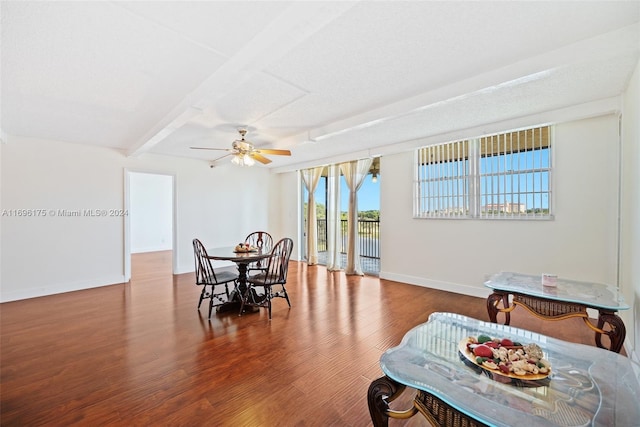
<point x="505" y="207"/>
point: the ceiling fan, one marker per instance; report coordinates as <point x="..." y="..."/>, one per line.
<point x="244" y="153"/>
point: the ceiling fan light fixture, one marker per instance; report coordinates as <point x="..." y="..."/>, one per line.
<point x="242" y="160"/>
<point x="248" y="160"/>
<point x="243" y="153"/>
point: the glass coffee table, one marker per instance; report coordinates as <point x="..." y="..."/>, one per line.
<point x="586" y="386"/>
<point x="565" y="299"/>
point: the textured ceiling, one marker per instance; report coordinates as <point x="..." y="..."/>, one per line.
<point x="322" y="79"/>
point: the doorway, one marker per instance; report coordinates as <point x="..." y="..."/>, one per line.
<point x="150" y="225"/>
<point x="368" y="219"/>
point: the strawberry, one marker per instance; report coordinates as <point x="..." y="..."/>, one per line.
<point x="483" y="351"/>
<point x="506" y="342"/>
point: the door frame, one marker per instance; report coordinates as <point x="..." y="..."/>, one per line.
<point x="127" y="219"/>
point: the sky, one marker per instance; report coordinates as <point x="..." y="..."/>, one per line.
<point x="368" y="195"/>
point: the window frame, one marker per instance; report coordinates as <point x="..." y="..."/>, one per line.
<point x="433" y="165"/>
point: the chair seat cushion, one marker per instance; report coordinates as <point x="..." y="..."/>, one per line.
<point x="263" y="278"/>
<point x="224" y="275"/>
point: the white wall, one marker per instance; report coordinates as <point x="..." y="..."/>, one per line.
<point x="54" y="253"/>
<point x="150" y="212"/>
<point x="284" y="210"/>
<point x="49" y="254"/>
<point x="457" y="255"/>
<point x="630" y="202"/>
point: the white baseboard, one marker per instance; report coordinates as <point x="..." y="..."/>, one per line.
<point x="474" y="291"/>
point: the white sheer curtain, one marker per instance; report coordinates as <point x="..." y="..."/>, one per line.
<point x="310" y="177"/>
<point x="334" y="234"/>
<point x="354" y="173"/>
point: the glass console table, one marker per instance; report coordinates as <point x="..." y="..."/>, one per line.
<point x="566" y="299"/>
<point x="587" y="386"/>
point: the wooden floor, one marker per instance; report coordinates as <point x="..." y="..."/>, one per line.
<point x="140" y="353"/>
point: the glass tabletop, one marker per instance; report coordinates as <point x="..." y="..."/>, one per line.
<point x="587" y="386"/>
<point x="595" y="295"/>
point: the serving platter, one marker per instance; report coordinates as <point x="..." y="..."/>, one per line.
<point x="464" y="350"/>
<point x="244" y="251"/>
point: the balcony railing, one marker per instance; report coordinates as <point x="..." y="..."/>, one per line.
<point x="368" y="235"/>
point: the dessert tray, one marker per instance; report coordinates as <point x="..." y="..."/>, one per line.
<point x="506" y="358"/>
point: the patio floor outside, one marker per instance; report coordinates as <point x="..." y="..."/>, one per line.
<point x="370" y="266"/>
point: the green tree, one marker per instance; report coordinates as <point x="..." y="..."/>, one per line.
<point x="372" y="215"/>
<point x="321" y="211"/>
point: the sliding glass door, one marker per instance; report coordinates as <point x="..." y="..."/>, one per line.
<point x="368" y="220"/>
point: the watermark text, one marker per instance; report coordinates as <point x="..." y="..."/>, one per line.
<point x="30" y="213"/>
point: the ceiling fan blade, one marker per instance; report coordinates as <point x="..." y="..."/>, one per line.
<point x="272" y="151"/>
<point x="209" y="148"/>
<point x="220" y="158"/>
<point x="262" y="159"/>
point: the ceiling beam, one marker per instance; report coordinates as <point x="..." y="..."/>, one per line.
<point x="297" y="23"/>
<point x="612" y="105"/>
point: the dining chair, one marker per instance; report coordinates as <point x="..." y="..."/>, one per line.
<point x="263" y="241"/>
<point x="274" y="276"/>
<point x="212" y="280"/>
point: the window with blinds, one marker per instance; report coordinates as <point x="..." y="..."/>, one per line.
<point x="506" y="175"/>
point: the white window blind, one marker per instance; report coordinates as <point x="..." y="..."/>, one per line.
<point x="506" y="175"/>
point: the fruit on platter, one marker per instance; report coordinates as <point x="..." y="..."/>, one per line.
<point x="507" y="356"/>
<point x="243" y="247"/>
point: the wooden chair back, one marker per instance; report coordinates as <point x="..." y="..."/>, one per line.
<point x="278" y="265"/>
<point x="205" y="274"/>
<point x="260" y="239"/>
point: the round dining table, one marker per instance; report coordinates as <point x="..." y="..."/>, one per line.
<point x="242" y="260"/>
